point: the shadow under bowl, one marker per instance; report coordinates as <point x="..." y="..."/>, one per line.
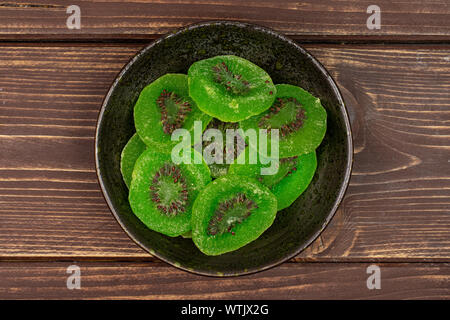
<point x="286" y="62"/>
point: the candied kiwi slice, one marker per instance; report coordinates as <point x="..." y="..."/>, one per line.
<point x="230" y="88"/>
<point x="287" y="182"/>
<point x="230" y="213"/>
<point x="298" y="116"/>
<point x="130" y="153"/>
<point x="164" y="106"/>
<point x="226" y="153"/>
<point x="162" y="193"/>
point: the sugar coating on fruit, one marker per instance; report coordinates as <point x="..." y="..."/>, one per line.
<point x="230" y="213"/>
<point x="169" y="190"/>
<point x="234" y="105"/>
<point x="286" y="114"/>
<point x="174" y="110"/>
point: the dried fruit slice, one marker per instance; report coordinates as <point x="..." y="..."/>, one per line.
<point x="130" y="153"/>
<point x="230" y="88"/>
<point x="230" y="213"/>
<point x="290" y="180"/>
<point x="164" y="106"/>
<point x="299" y="117"/>
<point x="162" y="193"/>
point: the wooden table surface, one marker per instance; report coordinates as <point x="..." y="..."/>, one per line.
<point x="396" y="213"/>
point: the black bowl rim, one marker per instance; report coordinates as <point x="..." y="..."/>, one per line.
<point x="342" y="108"/>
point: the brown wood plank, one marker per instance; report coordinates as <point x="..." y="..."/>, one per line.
<point x="397" y="206"/>
<point x="289" y="281"/>
<point x="322" y="20"/>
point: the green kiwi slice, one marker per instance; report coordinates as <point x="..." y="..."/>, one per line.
<point x="130" y="153"/>
<point x="162" y="193"/>
<point x="292" y="177"/>
<point x="230" y="88"/>
<point x="164" y="106"/>
<point x="299" y="117"/>
<point x="230" y="213"/>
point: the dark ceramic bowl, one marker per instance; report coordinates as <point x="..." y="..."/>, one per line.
<point x="286" y="62"/>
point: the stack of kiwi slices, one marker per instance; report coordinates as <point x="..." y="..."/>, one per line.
<point x="221" y="206"/>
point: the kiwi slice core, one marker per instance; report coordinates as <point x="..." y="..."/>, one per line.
<point x="169" y="190"/>
<point x="233" y="83"/>
<point x="286" y="114"/>
<point x="173" y="110"/>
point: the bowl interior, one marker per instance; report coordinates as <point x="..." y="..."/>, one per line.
<point x="294" y="227"/>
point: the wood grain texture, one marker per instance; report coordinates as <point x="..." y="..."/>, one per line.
<point x="290" y="281"/>
<point x="322" y="20"/>
<point x="398" y="198"/>
<point x="397" y="207"/>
